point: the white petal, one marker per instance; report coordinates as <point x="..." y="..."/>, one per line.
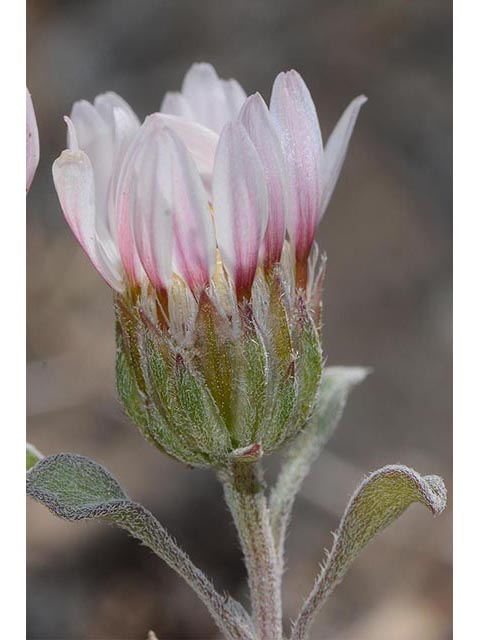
<point x="95" y="137"/>
<point x="203" y="91"/>
<point x="121" y="120"/>
<point x="73" y="179"/>
<point x="200" y="142"/>
<point x="240" y="205"/>
<point x="175" y="104"/>
<point x="72" y="138"/>
<point x="336" y="148"/>
<point x="124" y="131"/>
<point x="151" y="213"/>
<point x="235" y="96"/>
<point x="107" y="103"/>
<point x="103" y="231"/>
<point x="89" y="124"/>
<point x="125" y="202"/>
<point x="194" y="246"/>
<point x="33" y="145"/>
<point x="257" y="121"/>
<point x="104" y="131"/>
<point x="296" y="120"/>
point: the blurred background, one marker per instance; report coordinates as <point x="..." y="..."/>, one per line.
<point x="387" y="305"/>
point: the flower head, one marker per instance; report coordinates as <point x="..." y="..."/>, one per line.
<point x="203" y="220"/>
<point x="33" y="145"/>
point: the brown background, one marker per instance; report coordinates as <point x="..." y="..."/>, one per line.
<point x="388" y="305"/>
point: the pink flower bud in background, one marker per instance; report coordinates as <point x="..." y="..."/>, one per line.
<point x="33" y="145"/>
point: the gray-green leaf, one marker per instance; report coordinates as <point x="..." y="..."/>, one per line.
<point x="77" y="488"/>
<point x="378" y="501"/>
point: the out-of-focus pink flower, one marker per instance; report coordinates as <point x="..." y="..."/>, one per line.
<point x="165" y="201"/>
<point x="33" y="145"/>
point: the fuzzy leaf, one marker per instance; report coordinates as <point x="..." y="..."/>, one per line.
<point x="33" y="456"/>
<point x="334" y="389"/>
<point x="379" y="500"/>
<point x="76" y="488"/>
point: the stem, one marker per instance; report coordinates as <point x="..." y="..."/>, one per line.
<point x="243" y="487"/>
<point x="228" y="615"/>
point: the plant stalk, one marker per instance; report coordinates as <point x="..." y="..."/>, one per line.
<point x="244" y="493"/>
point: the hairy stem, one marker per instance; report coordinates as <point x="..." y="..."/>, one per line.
<point x="244" y="493"/>
<point x="144" y="526"/>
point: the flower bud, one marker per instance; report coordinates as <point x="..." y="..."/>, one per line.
<point x="202" y="220"/>
<point x="231" y="381"/>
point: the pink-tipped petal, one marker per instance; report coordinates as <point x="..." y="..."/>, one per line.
<point x="122" y="123"/>
<point x="257" y="121"/>
<point x="124" y="130"/>
<point x="95" y="138"/>
<point x="90" y="126"/>
<point x="73" y="179"/>
<point x="336" y="148"/>
<point x="296" y="120"/>
<point x="33" y="144"/>
<point x="175" y="104"/>
<point x="194" y="245"/>
<point x="151" y="213"/>
<point x="106" y="246"/>
<point x="171" y="215"/>
<point x="235" y="96"/>
<point x="204" y="92"/>
<point x="104" y="131"/>
<point x="240" y="201"/>
<point x="107" y="103"/>
<point x="200" y="142"/>
<point x="125" y="203"/>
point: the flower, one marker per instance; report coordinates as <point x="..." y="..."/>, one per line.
<point x="33" y="145"/>
<point x="202" y="220"/>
